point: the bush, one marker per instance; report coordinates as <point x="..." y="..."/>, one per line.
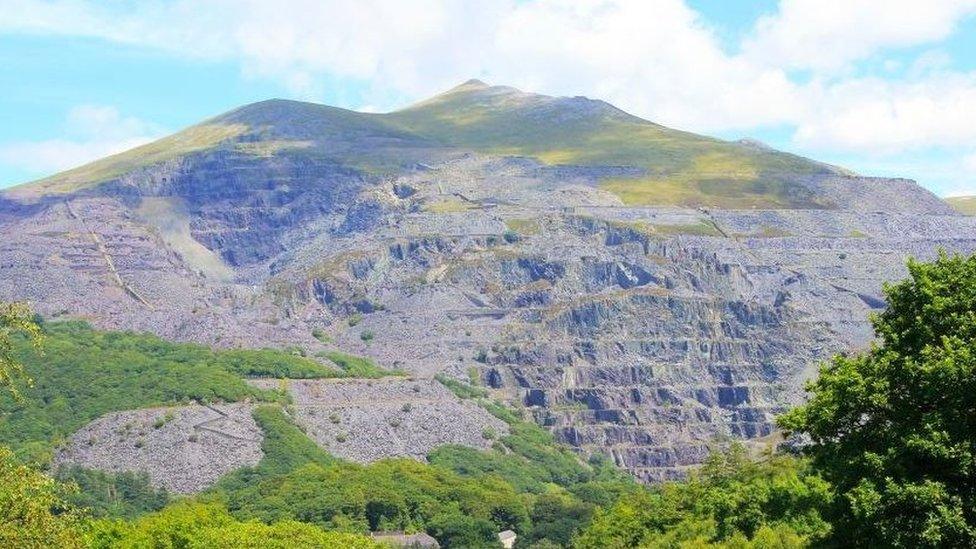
<point x="357" y="366"/>
<point x="197" y="525"/>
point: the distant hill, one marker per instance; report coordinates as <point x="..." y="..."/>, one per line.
<point x="963" y="204"/>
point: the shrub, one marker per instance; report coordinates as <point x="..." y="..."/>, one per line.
<point x="357" y="366"/>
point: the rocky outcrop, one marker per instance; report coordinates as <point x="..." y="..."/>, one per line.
<point x="183" y="449"/>
<point x="365" y="421"/>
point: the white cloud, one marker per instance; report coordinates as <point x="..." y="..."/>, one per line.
<point x="873" y="115"/>
<point x="652" y="57"/>
<point x="91" y="132"/>
<point x="829" y="34"/>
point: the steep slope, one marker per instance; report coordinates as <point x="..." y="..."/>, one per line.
<point x="262" y="130"/>
<point x="495" y="235"/>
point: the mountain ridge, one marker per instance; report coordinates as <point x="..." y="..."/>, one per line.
<point x="675" y="167"/>
<point x="965" y="205"/>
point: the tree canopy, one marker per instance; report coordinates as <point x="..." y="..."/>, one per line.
<point x="33" y="510"/>
<point x="894" y="428"/>
<point x="733" y="501"/>
<point x="15" y="319"/>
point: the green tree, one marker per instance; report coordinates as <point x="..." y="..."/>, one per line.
<point x="192" y="525"/>
<point x="15" y="318"/>
<point x="457" y="530"/>
<point x="118" y="495"/>
<point x="894" y="428"/>
<point x="33" y="512"/>
<point x="732" y="501"/>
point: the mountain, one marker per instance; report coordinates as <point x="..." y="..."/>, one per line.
<point x="641" y="291"/>
<point x="965" y="205"/>
<point x="659" y="165"/>
<point x="668" y="166"/>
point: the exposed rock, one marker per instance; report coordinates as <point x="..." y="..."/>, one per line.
<point x="184" y="449"/>
<point x="365" y="421"/>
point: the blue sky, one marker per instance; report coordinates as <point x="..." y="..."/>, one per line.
<point x="887" y="91"/>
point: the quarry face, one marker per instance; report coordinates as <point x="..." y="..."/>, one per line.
<point x="646" y="333"/>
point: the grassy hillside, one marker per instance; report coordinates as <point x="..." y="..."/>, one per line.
<point x="678" y="167"/>
<point x="262" y="130"/>
<point x="298" y="494"/>
<point x="463" y="497"/>
<point x="963" y="204"/>
<point x="190" y="140"/>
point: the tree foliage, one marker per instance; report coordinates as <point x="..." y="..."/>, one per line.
<point x="15" y="319"/>
<point x="191" y="525"/>
<point x="733" y="501"/>
<point x="33" y="510"/>
<point x="297" y="480"/>
<point x="894" y="428"/>
<point x="119" y="495"/>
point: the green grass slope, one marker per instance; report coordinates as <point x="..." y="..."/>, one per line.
<point x="194" y="139"/>
<point x="681" y="168"/>
<point x="268" y="128"/>
<point x="963" y="204"/>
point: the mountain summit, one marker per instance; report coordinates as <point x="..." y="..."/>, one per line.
<point x="666" y="166"/>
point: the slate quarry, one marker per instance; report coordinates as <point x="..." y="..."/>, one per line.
<point x="645" y="331"/>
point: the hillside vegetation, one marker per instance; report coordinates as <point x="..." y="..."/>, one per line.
<point x="887" y="461"/>
<point x="298" y="494"/>
<point x="80" y="374"/>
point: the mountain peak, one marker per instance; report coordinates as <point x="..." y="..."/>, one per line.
<point x="473" y="83"/>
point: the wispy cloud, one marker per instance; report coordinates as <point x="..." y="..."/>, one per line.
<point x="90" y="132"/>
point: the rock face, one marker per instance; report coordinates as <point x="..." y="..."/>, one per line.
<point x="184" y="449"/>
<point x="643" y="332"/>
<point x="365" y="421"/>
